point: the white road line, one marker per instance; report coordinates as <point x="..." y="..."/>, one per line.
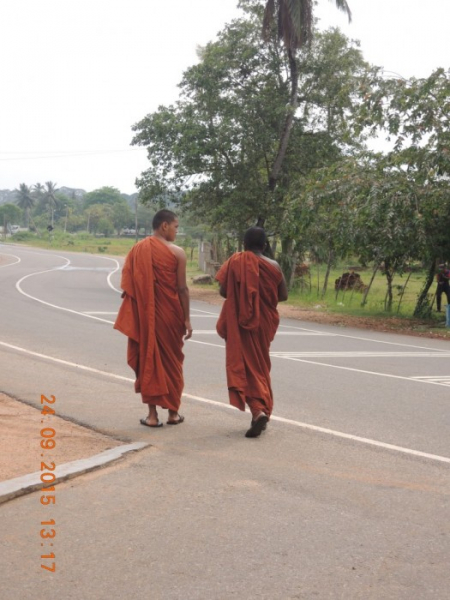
<point x="290" y="333"/>
<point x="191" y="341"/>
<point x="353" y="337"/>
<point x="436" y="379"/>
<point x="69" y="310"/>
<point x="98" y="312"/>
<point x="10" y="264"/>
<point x="206" y="312"/>
<point x="360" y="354"/>
<point x="321" y="364"/>
<point x="204" y="316"/>
<point x="315" y="428"/>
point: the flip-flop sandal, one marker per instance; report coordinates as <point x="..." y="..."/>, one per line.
<point x="177" y="422"/>
<point x="144" y="422"/>
<point x="257" y="427"/>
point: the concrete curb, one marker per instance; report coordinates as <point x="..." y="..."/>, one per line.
<point x="19" y="486"/>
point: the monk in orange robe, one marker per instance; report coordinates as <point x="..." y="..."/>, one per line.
<point x="154" y="315"/>
<point x="252" y="285"/>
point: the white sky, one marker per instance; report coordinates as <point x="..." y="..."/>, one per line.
<point x="75" y="76"/>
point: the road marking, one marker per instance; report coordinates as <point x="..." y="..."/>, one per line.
<point x="321" y="364"/>
<point x="434" y="379"/>
<point x="359" y="354"/>
<point x="98" y="312"/>
<point x="70" y="268"/>
<point x="69" y="310"/>
<point x="294" y="333"/>
<point x="364" y="339"/>
<point x="10" y="264"/>
<point x="206" y="312"/>
<point x="300" y="424"/>
<point x="334" y="433"/>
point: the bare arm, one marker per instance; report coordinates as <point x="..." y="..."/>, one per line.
<point x="183" y="290"/>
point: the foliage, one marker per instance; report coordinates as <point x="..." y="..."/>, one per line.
<point x="104" y="195"/>
<point x="216" y="145"/>
<point x="25" y="201"/>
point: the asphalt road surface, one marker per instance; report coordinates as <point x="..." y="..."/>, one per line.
<point x="345" y="496"/>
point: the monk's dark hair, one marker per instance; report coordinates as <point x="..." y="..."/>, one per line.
<point x="255" y="239"/>
<point x="163" y="216"/>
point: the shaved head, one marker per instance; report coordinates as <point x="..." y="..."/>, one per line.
<point x="163" y="216"/>
<point x="255" y="239"/>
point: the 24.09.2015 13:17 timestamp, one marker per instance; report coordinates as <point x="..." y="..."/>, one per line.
<point x="48" y="442"/>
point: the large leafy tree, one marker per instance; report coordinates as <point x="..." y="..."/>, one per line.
<point x="121" y="215"/>
<point x="9" y="214"/>
<point x="292" y="20"/>
<point x="25" y="200"/>
<point x="103" y="195"/>
<point x="415" y="115"/>
<point x="214" y="148"/>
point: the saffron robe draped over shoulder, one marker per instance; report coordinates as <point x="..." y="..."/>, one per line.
<point x="248" y="322"/>
<point x="152" y="317"/>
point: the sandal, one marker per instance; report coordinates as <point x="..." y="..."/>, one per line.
<point x="144" y="422"/>
<point x="177" y="422"/>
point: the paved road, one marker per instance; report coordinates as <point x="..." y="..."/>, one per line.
<point x="346" y="496"/>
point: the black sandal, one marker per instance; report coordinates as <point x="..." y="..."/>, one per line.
<point x="257" y="427"/>
<point x="177" y="422"/>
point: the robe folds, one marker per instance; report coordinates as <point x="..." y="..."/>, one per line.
<point x="152" y="318"/>
<point x="248" y="322"/>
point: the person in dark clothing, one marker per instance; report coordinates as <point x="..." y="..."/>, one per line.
<point x="443" y="285"/>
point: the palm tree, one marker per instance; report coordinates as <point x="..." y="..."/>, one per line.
<point x="25" y="201"/>
<point x="38" y="190"/>
<point x="52" y="201"/>
<point x="293" y="20"/>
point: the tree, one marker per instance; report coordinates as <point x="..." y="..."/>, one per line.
<point x="213" y="149"/>
<point x="9" y="214"/>
<point x="145" y="216"/>
<point x="414" y="114"/>
<point x="121" y="215"/>
<point x="293" y="22"/>
<point x="97" y="215"/>
<point x="25" y="201"/>
<point x="50" y="199"/>
<point x="104" y="195"/>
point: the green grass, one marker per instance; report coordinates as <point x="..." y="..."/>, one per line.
<point x="80" y="242"/>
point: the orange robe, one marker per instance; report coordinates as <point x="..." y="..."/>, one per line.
<point x="152" y="317"/>
<point x="248" y="322"/>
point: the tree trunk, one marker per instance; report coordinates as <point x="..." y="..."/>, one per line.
<point x="403" y="291"/>
<point x="286" y="258"/>
<point x="366" y="293"/>
<point x="423" y="307"/>
<point x="327" y="274"/>
<point x="389" y="272"/>
<point x="286" y="132"/>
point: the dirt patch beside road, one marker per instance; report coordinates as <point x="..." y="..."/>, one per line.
<point x="20" y="432"/>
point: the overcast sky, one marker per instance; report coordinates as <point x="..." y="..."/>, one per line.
<point x="75" y="76"/>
